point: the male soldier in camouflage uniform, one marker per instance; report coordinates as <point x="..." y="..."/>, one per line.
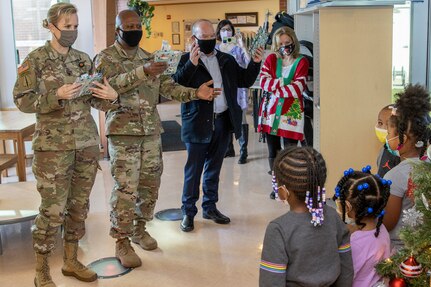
<point x="65" y="143"/>
<point x="133" y="131"/>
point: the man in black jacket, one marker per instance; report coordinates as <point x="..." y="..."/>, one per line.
<point x="206" y="124"/>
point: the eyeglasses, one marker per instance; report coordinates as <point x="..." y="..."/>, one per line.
<point x="226" y="29"/>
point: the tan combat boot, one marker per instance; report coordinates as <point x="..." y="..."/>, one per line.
<point x="72" y="267"/>
<point x="43" y="278"/>
<point x="126" y="254"/>
<point x="142" y="237"/>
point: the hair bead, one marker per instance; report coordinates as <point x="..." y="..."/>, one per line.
<point x="366" y="169"/>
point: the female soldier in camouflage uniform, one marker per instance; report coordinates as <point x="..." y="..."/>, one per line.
<point x="65" y="141"/>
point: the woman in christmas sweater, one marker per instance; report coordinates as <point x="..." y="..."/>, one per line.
<point x="283" y="78"/>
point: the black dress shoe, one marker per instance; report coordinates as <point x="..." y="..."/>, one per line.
<point x="242" y="159"/>
<point x="187" y="223"/>
<point x="272" y="195"/>
<point x="216" y="216"/>
<point x="230" y="153"/>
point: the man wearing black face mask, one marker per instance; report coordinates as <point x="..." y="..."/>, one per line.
<point x="207" y="124"/>
<point x="133" y="131"/>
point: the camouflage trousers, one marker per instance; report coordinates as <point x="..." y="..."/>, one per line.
<point x="64" y="181"/>
<point x="136" y="166"/>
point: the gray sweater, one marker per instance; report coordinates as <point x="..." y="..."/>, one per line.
<point x="295" y="253"/>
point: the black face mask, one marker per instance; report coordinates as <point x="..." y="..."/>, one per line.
<point x="287" y="50"/>
<point x="131" y="38"/>
<point x="206" y="46"/>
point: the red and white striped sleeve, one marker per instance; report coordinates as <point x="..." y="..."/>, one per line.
<point x="268" y="82"/>
<point x="277" y="87"/>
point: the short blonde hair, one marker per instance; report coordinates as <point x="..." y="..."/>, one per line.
<point x="58" y="10"/>
<point x="276" y="41"/>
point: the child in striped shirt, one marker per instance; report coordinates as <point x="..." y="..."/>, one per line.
<point x="309" y="245"/>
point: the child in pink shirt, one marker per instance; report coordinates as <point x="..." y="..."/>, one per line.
<point x="362" y="197"/>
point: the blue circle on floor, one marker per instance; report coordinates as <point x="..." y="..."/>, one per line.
<point x="171" y="214"/>
<point x="109" y="267"/>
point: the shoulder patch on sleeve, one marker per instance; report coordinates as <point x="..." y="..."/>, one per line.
<point x="23" y="67"/>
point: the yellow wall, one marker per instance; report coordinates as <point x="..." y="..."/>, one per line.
<point x="195" y="11"/>
<point x="355" y="83"/>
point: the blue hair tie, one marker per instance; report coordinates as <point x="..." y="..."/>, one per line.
<point x="381" y="213"/>
<point x="384" y="182"/>
<point x="370" y="210"/>
<point x="337" y="191"/>
<point x="348" y="172"/>
<point x="363" y="186"/>
<point x="389" y="182"/>
<point x="366" y="169"/>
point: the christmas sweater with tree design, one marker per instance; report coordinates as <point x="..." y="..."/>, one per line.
<point x="282" y="112"/>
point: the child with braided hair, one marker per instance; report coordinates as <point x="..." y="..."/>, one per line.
<point x="408" y="136"/>
<point x="309" y="245"/>
<point x="362" y="197"/>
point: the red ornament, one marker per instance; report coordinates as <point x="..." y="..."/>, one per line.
<point x="410" y="268"/>
<point x="397" y="282"/>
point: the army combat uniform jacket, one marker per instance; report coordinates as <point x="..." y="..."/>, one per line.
<point x="138" y="93"/>
<point x="60" y="124"/>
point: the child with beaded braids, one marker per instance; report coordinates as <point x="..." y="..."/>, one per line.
<point x="309" y="245"/>
<point x="362" y="197"/>
<point x="408" y="136"/>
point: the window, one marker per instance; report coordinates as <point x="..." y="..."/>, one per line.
<point x="29" y="33"/>
<point x="401" y="46"/>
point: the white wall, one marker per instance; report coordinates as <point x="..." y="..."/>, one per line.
<point x="85" y="30"/>
<point x="85" y="41"/>
<point x="8" y="66"/>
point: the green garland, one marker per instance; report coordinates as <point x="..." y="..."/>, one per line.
<point x="145" y="12"/>
<point x="417" y="240"/>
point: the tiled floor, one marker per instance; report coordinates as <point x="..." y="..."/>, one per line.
<point x="211" y="255"/>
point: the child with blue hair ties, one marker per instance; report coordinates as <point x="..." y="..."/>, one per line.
<point x="362" y="197"/>
<point x="309" y="245"/>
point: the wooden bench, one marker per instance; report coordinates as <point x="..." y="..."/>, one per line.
<point x="7" y="161"/>
<point x="19" y="202"/>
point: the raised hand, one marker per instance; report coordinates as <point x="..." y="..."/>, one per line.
<point x="205" y="92"/>
<point x="104" y="91"/>
<point x="258" y="55"/>
<point x="194" y="54"/>
<point x="239" y="40"/>
<point x="68" y="91"/>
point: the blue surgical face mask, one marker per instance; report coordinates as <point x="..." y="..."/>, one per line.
<point x="391" y="151"/>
